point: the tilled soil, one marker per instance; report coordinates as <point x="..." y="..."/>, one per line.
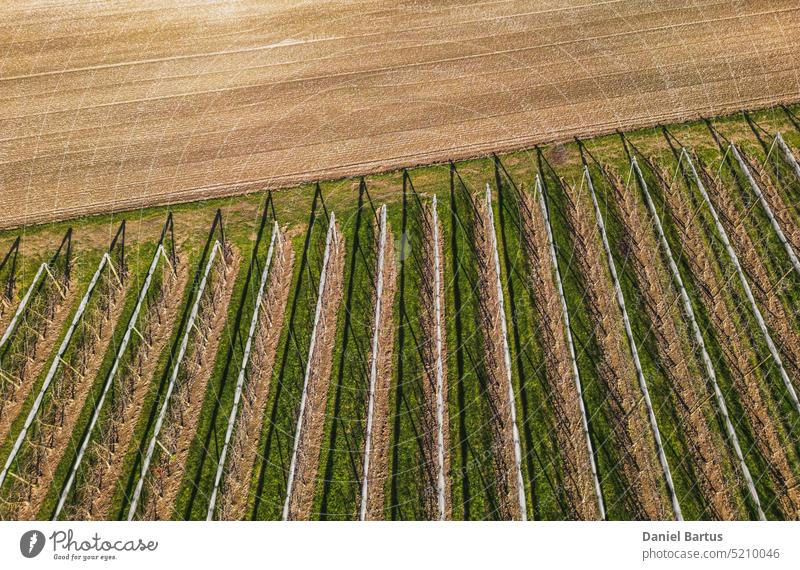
<point x="167" y="472"/>
<point x="161" y="102"/>
<point x="381" y="425"/>
<point x="565" y="399"/>
<point x="313" y="420"/>
<point x="244" y="445"/>
<point x="428" y="298"/>
<point x="84" y="381"/>
<point x="98" y="500"/>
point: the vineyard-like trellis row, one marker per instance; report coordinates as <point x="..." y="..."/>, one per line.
<point x="698" y="339"/>
<point x="216" y="250"/>
<point x="551" y="246"/>
<point x="159" y="255"/>
<point x="745" y="284"/>
<point x="310" y="416"/>
<point x="776" y="226"/>
<point x="33" y="332"/>
<point x="242" y="376"/>
<point x="634" y="351"/>
<point x="52" y="416"/>
<point x="767" y="457"/>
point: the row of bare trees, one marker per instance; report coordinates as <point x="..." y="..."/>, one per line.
<point x="737" y="350"/>
<point x="558" y="366"/>
<point x="499" y="391"/>
<point x="311" y="419"/>
<point x="627" y="414"/>
<point x="662" y="308"/>
<point x="375" y="468"/>
<point x="106" y="451"/>
<point x="183" y="413"/>
<point x="435" y="419"/>
<point x="232" y="500"/>
<point x="71" y="378"/>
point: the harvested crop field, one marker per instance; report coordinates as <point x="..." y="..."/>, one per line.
<point x="112" y="107"/>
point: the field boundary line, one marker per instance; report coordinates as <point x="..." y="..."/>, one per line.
<point x="776" y="357"/>
<point x="662" y="458"/>
<point x="698" y="337"/>
<point x="568" y="333"/>
<point x="173" y="379"/>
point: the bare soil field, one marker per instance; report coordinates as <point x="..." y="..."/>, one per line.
<point x="115" y="106"/>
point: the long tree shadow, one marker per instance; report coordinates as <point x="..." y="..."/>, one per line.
<point x="229" y="356"/>
<point x="287" y="349"/>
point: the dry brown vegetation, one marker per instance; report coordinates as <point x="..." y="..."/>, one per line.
<point x="779" y="207"/>
<point x="564" y="396"/>
<point x="497" y="373"/>
<point x="39" y="344"/>
<point x="313" y="420"/>
<point x="187" y="399"/>
<point x="738" y="353"/>
<point x="244" y="446"/>
<point x="769" y="302"/>
<point x="68" y="394"/>
<point x="156" y="102"/>
<point x="661" y="305"/>
<point x="381" y="426"/>
<point x="93" y="496"/>
<point x="637" y="455"/>
<point x="427" y="298"/>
